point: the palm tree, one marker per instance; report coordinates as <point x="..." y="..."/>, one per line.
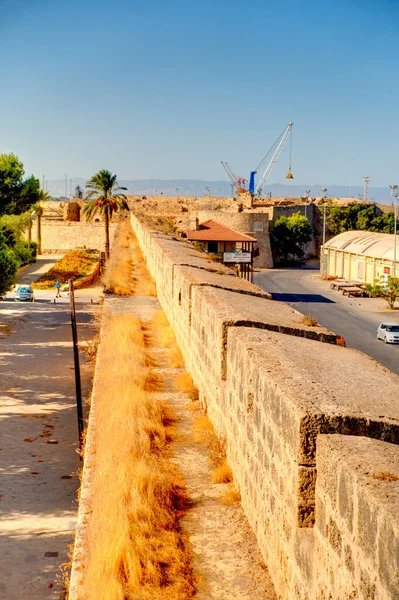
<point x="104" y="197"/>
<point x="38" y="212"/>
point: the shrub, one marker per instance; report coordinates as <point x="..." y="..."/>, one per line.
<point x="8" y="268"/>
<point x="388" y="290"/>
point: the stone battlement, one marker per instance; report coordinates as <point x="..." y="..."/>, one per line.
<point x="311" y="428"/>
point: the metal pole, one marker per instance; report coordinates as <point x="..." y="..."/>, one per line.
<point x="394" y="235"/>
<point x="78" y="386"/>
<point x="324" y="223"/>
<point x="394" y="192"/>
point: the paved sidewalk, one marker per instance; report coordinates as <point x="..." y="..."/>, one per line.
<point x="38" y="441"/>
<point x="43" y="263"/>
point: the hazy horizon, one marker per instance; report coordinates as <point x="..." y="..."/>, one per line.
<point x="174" y="90"/>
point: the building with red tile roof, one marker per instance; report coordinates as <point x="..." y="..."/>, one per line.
<point x="210" y="231"/>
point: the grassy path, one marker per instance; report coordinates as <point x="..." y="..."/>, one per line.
<point x="152" y="525"/>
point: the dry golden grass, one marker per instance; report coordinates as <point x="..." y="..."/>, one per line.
<point x="154" y="382"/>
<point x="175" y="358"/>
<point x="184" y="383"/>
<point x="203" y="431"/>
<point x="231" y="497"/>
<point x="222" y="473"/>
<point x="126" y="273"/>
<point x="204" y="434"/>
<point x="118" y="273"/>
<point x="309" y="321"/>
<point x="165" y="337"/>
<point x="135" y="547"/>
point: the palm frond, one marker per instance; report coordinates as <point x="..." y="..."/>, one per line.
<point x="104" y="195"/>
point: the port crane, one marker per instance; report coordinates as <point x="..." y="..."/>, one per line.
<point x="238" y="182"/>
<point x="274" y="152"/>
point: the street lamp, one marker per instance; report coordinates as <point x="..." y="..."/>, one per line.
<point x="394" y="192"/>
<point x="324" y="190"/>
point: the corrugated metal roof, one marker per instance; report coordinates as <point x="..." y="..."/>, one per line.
<point x="210" y="231"/>
<point x="365" y="243"/>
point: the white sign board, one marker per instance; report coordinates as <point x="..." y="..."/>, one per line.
<point x="237" y="257"/>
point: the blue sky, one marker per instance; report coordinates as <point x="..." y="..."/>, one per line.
<point x="168" y="89"/>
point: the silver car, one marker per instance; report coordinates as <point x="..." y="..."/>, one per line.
<point x="24" y="293"/>
<point x="389" y="333"/>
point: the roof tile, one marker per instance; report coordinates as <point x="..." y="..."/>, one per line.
<point x="210" y="231"/>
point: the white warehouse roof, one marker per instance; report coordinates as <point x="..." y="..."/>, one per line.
<point x="365" y="243"/>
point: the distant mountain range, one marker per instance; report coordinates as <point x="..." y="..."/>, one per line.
<point x="198" y="187"/>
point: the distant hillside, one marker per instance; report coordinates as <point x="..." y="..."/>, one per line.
<point x="198" y="187"/>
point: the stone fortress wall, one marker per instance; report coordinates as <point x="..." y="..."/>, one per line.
<point x="64" y="227"/>
<point x="310" y="436"/>
<point x="248" y="222"/>
<point x="61" y="236"/>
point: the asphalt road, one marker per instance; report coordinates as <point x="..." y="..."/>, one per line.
<point x="38" y="433"/>
<point x="354" y="318"/>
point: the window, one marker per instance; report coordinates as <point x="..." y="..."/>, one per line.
<point x="212" y="246"/>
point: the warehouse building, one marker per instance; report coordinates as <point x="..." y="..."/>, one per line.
<point x="359" y="255"/>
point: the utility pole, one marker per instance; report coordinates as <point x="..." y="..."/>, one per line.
<point x="70" y="189"/>
<point x="43" y="176"/>
<point x="394" y="192"/>
<point x="366" y="188"/>
<point x="66" y="187"/>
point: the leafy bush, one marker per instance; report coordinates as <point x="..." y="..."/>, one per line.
<point x="25" y="253"/>
<point x="389" y="291"/>
<point x="8" y="268"/>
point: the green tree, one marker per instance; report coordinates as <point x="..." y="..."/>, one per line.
<point x="384" y="223"/>
<point x="13" y="228"/>
<point x="389" y="291"/>
<point x="8" y="265"/>
<point x="288" y="236"/>
<point x="16" y="194"/>
<point x="104" y="197"/>
<point x="358" y="216"/>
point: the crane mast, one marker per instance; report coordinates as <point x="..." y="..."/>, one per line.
<point x="239" y="182"/>
<point x="268" y="171"/>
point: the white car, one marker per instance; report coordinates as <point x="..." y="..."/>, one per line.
<point x="389" y="332"/>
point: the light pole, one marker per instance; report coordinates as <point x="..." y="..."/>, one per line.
<point x="394" y="192"/>
<point x="307" y="192"/>
<point x="366" y="181"/>
<point x="66" y="187"/>
<point x="324" y="190"/>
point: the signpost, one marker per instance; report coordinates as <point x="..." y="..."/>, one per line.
<point x="237" y="257"/>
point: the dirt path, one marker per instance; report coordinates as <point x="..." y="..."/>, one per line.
<point x="38" y="441"/>
<point x="226" y="561"/>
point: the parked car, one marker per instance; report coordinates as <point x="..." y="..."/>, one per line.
<point x="3" y="297"/>
<point x="389" y="333"/>
<point x="24" y="293"/>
